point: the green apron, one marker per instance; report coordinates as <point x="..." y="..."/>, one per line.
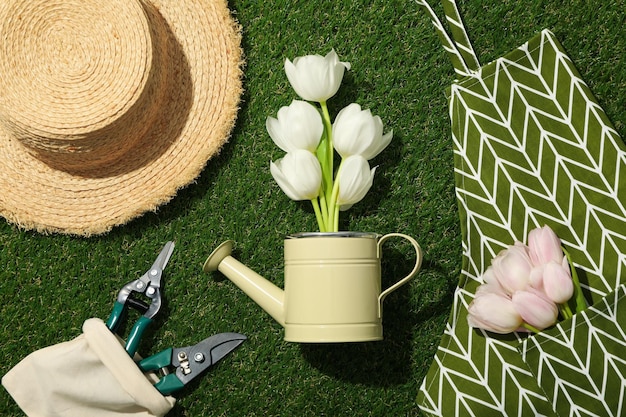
<point x="532" y="147"/>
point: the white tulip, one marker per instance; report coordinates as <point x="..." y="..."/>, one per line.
<point x="298" y="174"/>
<point x="355" y="179"/>
<point x="314" y="77"/>
<point x="357" y="132"/>
<point x="298" y="126"/>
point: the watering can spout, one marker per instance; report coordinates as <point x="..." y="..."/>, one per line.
<point x="263" y="292"/>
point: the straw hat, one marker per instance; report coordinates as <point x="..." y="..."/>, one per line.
<point x="108" y="107"/>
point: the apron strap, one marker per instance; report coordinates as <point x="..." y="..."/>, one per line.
<point x="458" y="46"/>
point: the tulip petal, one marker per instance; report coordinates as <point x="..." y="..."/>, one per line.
<point x="355" y="179"/>
<point x="544" y="246"/>
<point x="298" y="174"/>
<point x="273" y="128"/>
<point x="298" y="126"/>
<point x="491" y="283"/>
<point x="489" y="277"/>
<point x="357" y="132"/>
<point x="536" y="277"/>
<point x="512" y="268"/>
<point x="557" y="283"/>
<point x="493" y="312"/>
<point x="282" y="180"/>
<point x="535" y="309"/>
<point x="333" y="60"/>
<point x="379" y="145"/>
<point x="314" y="77"/>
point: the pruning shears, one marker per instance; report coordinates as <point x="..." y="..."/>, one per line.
<point x="148" y="285"/>
<point x="190" y="361"/>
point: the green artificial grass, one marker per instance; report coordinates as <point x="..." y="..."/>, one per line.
<point x="50" y="284"/>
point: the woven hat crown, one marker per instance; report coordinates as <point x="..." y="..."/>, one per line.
<point x="82" y="82"/>
<point x="109" y="107"/>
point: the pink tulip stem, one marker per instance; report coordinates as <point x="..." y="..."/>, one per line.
<point x="578" y="296"/>
<point x="565" y="310"/>
<point x="530" y="328"/>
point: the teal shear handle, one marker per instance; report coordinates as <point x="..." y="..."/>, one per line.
<point x="169" y="383"/>
<point x="134" y="337"/>
<point x="116" y="316"/>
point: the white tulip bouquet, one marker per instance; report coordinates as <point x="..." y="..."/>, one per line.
<point x="309" y="138"/>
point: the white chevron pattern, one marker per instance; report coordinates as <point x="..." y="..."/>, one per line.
<point x="581" y="364"/>
<point x="532" y="147"/>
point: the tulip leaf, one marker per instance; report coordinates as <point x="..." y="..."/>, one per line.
<point x="578" y="296"/>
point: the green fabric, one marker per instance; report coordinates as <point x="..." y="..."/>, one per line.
<point x="580" y="363"/>
<point x="532" y="147"/>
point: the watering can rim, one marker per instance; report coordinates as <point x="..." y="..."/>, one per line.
<point x="300" y="235"/>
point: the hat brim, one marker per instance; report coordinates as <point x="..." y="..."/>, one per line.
<point x="197" y="118"/>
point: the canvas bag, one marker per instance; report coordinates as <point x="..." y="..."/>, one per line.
<point x="532" y="146"/>
<point x="91" y="375"/>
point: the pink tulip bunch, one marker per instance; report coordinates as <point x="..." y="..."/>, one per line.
<point x="526" y="287"/>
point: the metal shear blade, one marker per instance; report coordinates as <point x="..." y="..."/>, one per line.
<point x="191" y="361"/>
<point x="148" y="285"/>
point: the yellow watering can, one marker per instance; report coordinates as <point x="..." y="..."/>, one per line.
<point x="332" y="285"/>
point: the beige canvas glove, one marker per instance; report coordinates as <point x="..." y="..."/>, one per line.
<point x="91" y="375"/>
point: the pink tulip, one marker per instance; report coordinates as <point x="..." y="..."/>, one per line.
<point x="493" y="312"/>
<point x="524" y="287"/>
<point x="535" y="308"/>
<point x="491" y="288"/>
<point x="489" y="277"/>
<point x="512" y="268"/>
<point x="536" y="277"/>
<point x="544" y="246"/>
<point x="557" y="282"/>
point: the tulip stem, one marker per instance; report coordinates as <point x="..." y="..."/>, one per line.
<point x="566" y="311"/>
<point x="318" y="215"/>
<point x="333" y="207"/>
<point x="329" y="138"/>
<point x="531" y="328"/>
<point x="324" y="212"/>
<point x="326" y="155"/>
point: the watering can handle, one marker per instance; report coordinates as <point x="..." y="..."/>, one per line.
<point x="416" y="268"/>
